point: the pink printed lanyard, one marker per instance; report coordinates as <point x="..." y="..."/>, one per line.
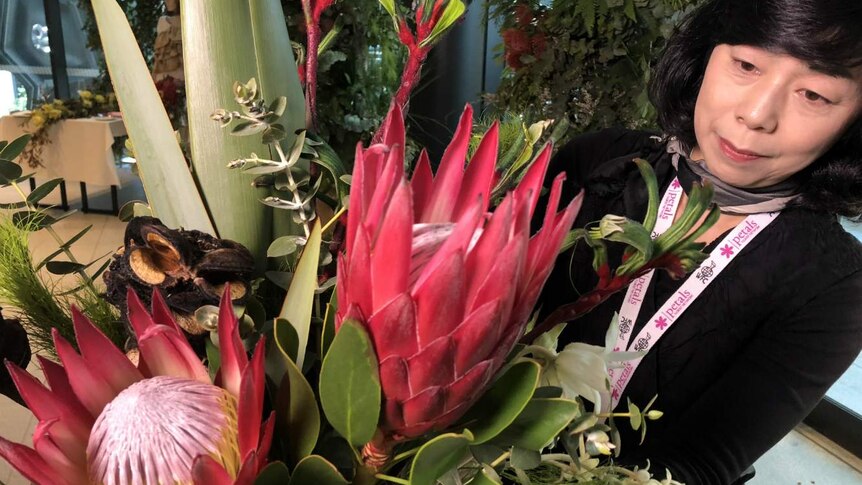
<point x="694" y="285"/>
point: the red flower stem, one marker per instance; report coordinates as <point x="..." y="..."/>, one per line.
<point x="409" y="78"/>
<point x="312" y="29"/>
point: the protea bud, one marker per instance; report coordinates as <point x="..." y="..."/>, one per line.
<point x="443" y="287"/>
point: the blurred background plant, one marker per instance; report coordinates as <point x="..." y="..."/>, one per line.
<point x="585" y="61"/>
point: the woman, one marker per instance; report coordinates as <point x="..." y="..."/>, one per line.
<point x="762" y="98"/>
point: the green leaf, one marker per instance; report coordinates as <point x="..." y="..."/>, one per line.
<point x="503" y="402"/>
<point x="438" y="456"/>
<point x="587" y="9"/>
<point x="43" y="190"/>
<point x="452" y="13"/>
<point x="276" y="473"/>
<point x="14" y="205"/>
<point x="9" y="171"/>
<point x="32" y="220"/>
<point x="316" y="470"/>
<point x="162" y="166"/>
<point x="541" y="421"/>
<point x="328" y="332"/>
<point x="101" y="269"/>
<point x="525" y="459"/>
<point x="14" y="148"/>
<point x="350" y="384"/>
<point x="278" y="106"/>
<point x="297" y="415"/>
<point x="248" y="128"/>
<point x="286" y="337"/>
<point x="63" y="267"/>
<point x="389" y="5"/>
<point x="299" y="302"/>
<point x="630" y="10"/>
<point x="213" y="358"/>
<point x="132" y="209"/>
<point x="283" y="246"/>
<point x="486" y="476"/>
<point x="635" y="418"/>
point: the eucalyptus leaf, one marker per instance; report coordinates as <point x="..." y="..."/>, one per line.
<point x="14" y="148"/>
<point x="281" y="278"/>
<point x="438" y="456"/>
<point x="64" y="267"/>
<point x="279" y="105"/>
<point x="283" y="246"/>
<point x="248" y="128"/>
<point x="635" y="416"/>
<point x="32" y="220"/>
<point x="503" y="402"/>
<point x="9" y="171"/>
<point x="101" y="269"/>
<point x="43" y="190"/>
<point x="350" y="384"/>
<point x="316" y="470"/>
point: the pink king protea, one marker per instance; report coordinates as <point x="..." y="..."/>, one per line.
<point x="105" y="420"/>
<point x="443" y="287"/>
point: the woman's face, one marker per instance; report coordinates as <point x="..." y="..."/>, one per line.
<point x="760" y="117"/>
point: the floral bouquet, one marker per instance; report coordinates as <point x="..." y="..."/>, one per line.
<point x="394" y="344"/>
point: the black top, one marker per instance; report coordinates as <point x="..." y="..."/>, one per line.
<point x="752" y="355"/>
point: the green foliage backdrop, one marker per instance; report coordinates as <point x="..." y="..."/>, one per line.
<point x="584" y="60"/>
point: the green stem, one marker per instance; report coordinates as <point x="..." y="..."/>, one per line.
<point x="83" y="274"/>
<point x="296" y="198"/>
<point x="391" y="479"/>
<point x="335" y="218"/>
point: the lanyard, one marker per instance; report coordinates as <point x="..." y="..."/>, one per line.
<point x="694" y="285"/>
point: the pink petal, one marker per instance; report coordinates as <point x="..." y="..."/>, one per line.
<point x="433" y="366"/>
<point x="531" y="185"/>
<point x="501" y="280"/>
<point x="139" y="318"/>
<point x="55" y="374"/>
<point x="165" y="353"/>
<point x="390" y="259"/>
<point x="394" y="379"/>
<point x="161" y="313"/>
<point x="469" y="386"/>
<point x="393" y="328"/>
<point x="73" y="422"/>
<point x="393" y="418"/>
<point x="265" y="441"/>
<point x="394" y="127"/>
<point x="207" y="471"/>
<point x="488" y="249"/>
<point x="480" y="173"/>
<point x="248" y="470"/>
<point x="424" y="407"/>
<point x="31" y="464"/>
<point x="385" y="185"/>
<point x="102" y="356"/>
<point x="447" y="184"/>
<point x="91" y="388"/>
<point x="477" y="336"/>
<point x="74" y="468"/>
<point x="421" y="184"/>
<point x="355" y="212"/>
<point x="458" y="241"/>
<point x="233" y="356"/>
<point x="250" y="401"/>
<point x="359" y="273"/>
<point x="440" y="300"/>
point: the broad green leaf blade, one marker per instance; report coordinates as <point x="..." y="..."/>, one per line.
<point x="486" y="476"/>
<point x="169" y="185"/>
<point x="328" y="332"/>
<point x="350" y="384"/>
<point x="299" y="302"/>
<point x="525" y="459"/>
<point x="276" y="473"/>
<point x="389" y="5"/>
<point x="438" y="456"/>
<point x="286" y="338"/>
<point x="316" y="470"/>
<point x="297" y="415"/>
<point x="14" y="148"/>
<point x="219" y="48"/>
<point x="503" y="402"/>
<point x="43" y="190"/>
<point x="539" y="423"/>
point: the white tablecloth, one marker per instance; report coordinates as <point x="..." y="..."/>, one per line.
<point x="79" y="151"/>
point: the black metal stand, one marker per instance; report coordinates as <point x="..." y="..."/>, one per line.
<point x="115" y="202"/>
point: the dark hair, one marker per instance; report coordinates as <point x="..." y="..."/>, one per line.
<point x="827" y="34"/>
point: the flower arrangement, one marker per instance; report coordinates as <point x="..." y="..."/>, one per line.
<point x="49" y="113"/>
<point x="424" y="362"/>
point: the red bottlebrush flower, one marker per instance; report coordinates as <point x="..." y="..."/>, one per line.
<point x="513" y="60"/>
<point x="539" y="44"/>
<point x="443" y="286"/>
<point x="516" y="40"/>
<point x="523" y="15"/>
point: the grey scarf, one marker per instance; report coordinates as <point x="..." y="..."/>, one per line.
<point x="731" y="199"/>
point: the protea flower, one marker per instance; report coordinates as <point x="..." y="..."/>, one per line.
<point x="443" y="287"/>
<point x="105" y="420"/>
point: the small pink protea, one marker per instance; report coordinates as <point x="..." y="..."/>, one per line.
<point x="105" y="420"/>
<point x="443" y="287"/>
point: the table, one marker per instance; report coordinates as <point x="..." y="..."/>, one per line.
<point x="80" y="151"/>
